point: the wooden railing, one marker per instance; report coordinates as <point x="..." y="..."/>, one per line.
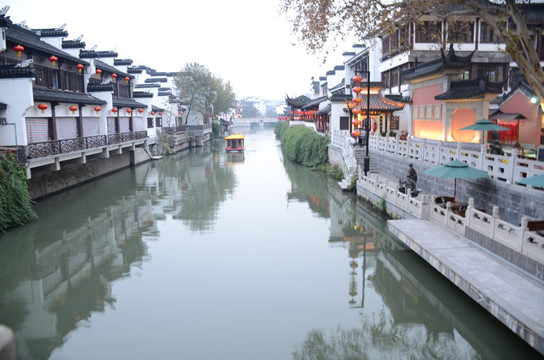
<point x="57" y="147"/>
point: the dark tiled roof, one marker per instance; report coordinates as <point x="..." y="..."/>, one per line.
<point x="50" y="32"/>
<point x="156" y="108"/>
<point x="123" y="102"/>
<point x="399" y="98"/>
<point x="103" y="66"/>
<point x="142" y="94"/>
<point x="3" y="106"/>
<point x="118" y="62"/>
<point x="98" y="87"/>
<point x="468" y="89"/>
<point x="298" y="102"/>
<point x="156" y="80"/>
<point x="73" y="44"/>
<point x="164" y="93"/>
<point x="91" y="54"/>
<point x="165" y="89"/>
<point x="444" y="62"/>
<point x="340" y="97"/>
<point x="30" y="41"/>
<point x="339" y="86"/>
<point x="315" y="102"/>
<point x="10" y="72"/>
<point x="534" y="11"/>
<point x="50" y="95"/>
<point x="377" y="103"/>
<point x="133" y="70"/>
<point x="147" y="86"/>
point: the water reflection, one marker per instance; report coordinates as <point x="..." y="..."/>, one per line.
<point x="308" y="259"/>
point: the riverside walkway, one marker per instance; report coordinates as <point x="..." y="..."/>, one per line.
<point x="512" y="296"/>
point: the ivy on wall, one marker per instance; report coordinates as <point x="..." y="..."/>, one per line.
<point x="15" y="204"/>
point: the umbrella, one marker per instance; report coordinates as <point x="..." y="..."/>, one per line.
<point x="534" y="181"/>
<point x="485" y="125"/>
<point x="456" y="170"/>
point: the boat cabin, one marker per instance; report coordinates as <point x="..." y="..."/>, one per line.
<point x="235" y="142"/>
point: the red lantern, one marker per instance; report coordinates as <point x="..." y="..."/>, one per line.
<point x="73" y="109"/>
<point x="98" y="72"/>
<point x="53" y="60"/>
<point x="79" y="68"/>
<point x="97" y="109"/>
<point x="356" y="133"/>
<point x="356" y="111"/>
<point x="356" y="122"/>
<point x="115" y="110"/>
<point x="42" y="107"/>
<point x="127" y="79"/>
<point x="140" y="110"/>
<point x="357" y="89"/>
<point x="160" y="113"/>
<point x="152" y="113"/>
<point x="357" y="79"/>
<point x="357" y="100"/>
<point x="129" y="111"/>
<point x="114" y="76"/>
<point x="18" y="49"/>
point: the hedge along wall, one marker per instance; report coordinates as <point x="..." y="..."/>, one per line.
<point x="304" y="146"/>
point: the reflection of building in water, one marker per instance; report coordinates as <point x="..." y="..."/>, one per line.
<point x="70" y="278"/>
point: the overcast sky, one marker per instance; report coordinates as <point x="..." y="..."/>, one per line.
<point x="245" y="42"/>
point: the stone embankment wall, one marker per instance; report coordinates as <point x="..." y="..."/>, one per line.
<point x="51" y="181"/>
<point x="513" y="201"/>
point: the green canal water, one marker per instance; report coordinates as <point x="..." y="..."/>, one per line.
<point x="207" y="255"/>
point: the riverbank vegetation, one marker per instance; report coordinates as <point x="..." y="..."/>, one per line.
<point x="15" y="204"/>
<point x="306" y="147"/>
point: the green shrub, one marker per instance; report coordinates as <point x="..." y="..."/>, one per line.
<point x="216" y="129"/>
<point x="304" y="146"/>
<point x="15" y="205"/>
<point x="280" y="127"/>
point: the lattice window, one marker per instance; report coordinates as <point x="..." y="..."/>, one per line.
<point x="344" y="122"/>
<point x="394" y="124"/>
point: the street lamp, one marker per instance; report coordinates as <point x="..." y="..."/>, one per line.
<point x="357" y="79"/>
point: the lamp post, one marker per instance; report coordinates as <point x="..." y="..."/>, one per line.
<point x="357" y="79"/>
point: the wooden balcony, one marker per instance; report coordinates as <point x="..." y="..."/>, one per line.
<point x="64" y="146"/>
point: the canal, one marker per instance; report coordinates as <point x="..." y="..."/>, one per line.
<point x="204" y="255"/>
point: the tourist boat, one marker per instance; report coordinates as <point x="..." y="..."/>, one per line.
<point x="235" y="143"/>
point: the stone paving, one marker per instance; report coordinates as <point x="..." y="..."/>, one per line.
<point x="515" y="298"/>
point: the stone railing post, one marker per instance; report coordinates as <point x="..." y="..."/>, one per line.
<point x="495" y="214"/>
<point x="448" y="210"/>
<point x="513" y="161"/>
<point x="468" y="216"/>
<point x="458" y="152"/>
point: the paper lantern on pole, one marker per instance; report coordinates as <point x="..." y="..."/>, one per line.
<point x="356" y="133"/>
<point x="160" y="113"/>
<point x="152" y="113"/>
<point x="18" y="49"/>
<point x="115" y="110"/>
<point x="357" y="89"/>
<point x="97" y="109"/>
<point x="356" y="111"/>
<point x="73" y="109"/>
<point x="127" y="79"/>
<point x="98" y="72"/>
<point x="357" y="100"/>
<point x="114" y="76"/>
<point x="129" y="111"/>
<point x="79" y="68"/>
<point x="357" y="79"/>
<point x="53" y="60"/>
<point x="140" y="110"/>
<point x="42" y="107"/>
